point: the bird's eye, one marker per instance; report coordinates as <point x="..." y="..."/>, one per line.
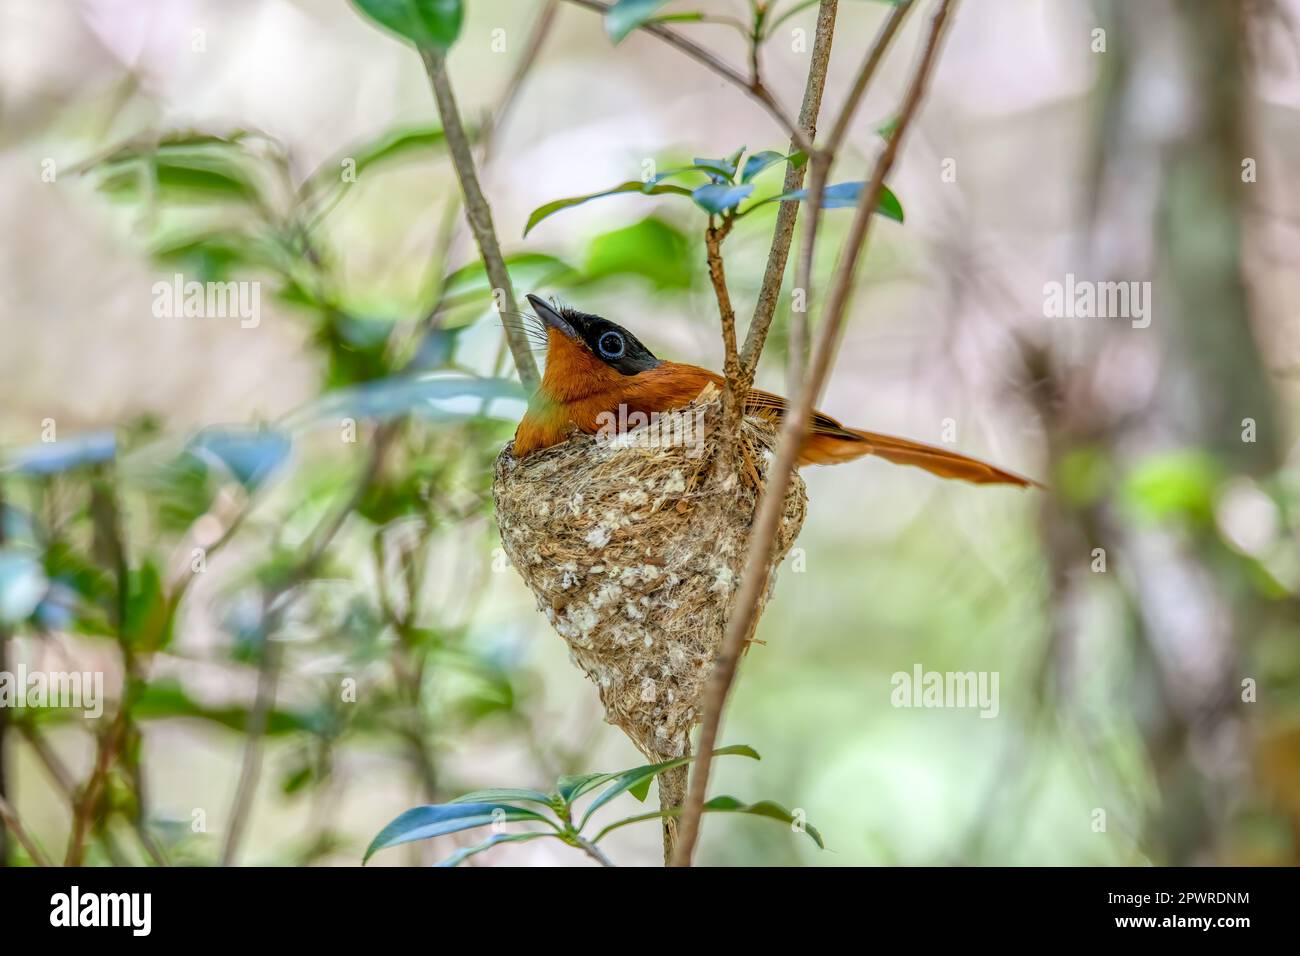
<point x="611" y="345"/>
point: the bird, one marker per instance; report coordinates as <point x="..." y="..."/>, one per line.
<point x="595" y="366"/>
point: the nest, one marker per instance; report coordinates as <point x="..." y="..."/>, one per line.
<point x="634" y="550"/>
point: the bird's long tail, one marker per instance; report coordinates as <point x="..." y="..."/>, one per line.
<point x="849" y="443"/>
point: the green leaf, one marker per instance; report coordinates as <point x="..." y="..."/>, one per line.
<point x="651" y="188"/>
<point x="722" y="804"/>
<point x="505" y="794"/>
<point x="392" y="146"/>
<point x="214" y="170"/>
<point x="1177" y="484"/>
<point x="571" y="787"/>
<point x="421" y="823"/>
<point x="148" y="622"/>
<point x="397" y="144"/>
<point x="720" y="170"/>
<point x="652" y="248"/>
<point x="761" y="161"/>
<point x="426" y="23"/>
<point x="22" y="585"/>
<point x="842" y="195"/>
<point x="716" y="197"/>
<point x="527" y="270"/>
<point x="211" y="256"/>
<point x="167" y="699"/>
<point x="465" y="853"/>
<point x="691" y="16"/>
<point x="637" y="780"/>
<point x="624" y="16"/>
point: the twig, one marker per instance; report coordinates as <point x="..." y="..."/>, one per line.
<point x="754" y="578"/>
<point x="732" y="394"/>
<point x="4" y="711"/>
<point x="751" y="85"/>
<point x="477" y="211"/>
<point x="867" y="72"/>
<point x="819" y="167"/>
<point x="268" y="671"/>
<point x="541" y="29"/>
<point x="594" y="852"/>
<point x="778" y="256"/>
<point x="10" y="818"/>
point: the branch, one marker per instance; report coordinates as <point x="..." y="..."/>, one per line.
<point x="753" y="580"/>
<point x="867" y="72"/>
<point x="268" y="673"/>
<point x="10" y="819"/>
<point x="751" y="85"/>
<point x="820" y="164"/>
<point x="477" y="211"/>
<point x="788" y="212"/>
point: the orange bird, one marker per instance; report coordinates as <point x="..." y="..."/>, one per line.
<point x="594" y="366"/>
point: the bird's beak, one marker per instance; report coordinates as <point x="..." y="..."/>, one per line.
<point x="552" y="318"/>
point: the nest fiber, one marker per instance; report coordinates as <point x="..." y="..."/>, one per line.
<point x="634" y="550"/>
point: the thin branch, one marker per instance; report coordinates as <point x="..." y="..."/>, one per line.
<point x="754" y="578"/>
<point x="796" y="360"/>
<point x="269" y="670"/>
<point x="867" y="72"/>
<point x="527" y="59"/>
<point x="4" y="711"/>
<point x="594" y="852"/>
<point x="10" y="818"/>
<point x="477" y="211"/>
<point x="820" y="164"/>
<point x="732" y="394"/>
<point x="751" y="85"/>
<point x="774" y="273"/>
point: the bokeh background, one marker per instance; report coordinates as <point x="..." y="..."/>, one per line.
<point x="1156" y="680"/>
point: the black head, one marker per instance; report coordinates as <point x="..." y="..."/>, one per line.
<point x="608" y="341"/>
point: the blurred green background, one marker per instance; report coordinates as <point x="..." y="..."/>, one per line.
<point x="143" y="139"/>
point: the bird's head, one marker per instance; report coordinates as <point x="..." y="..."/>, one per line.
<point x="586" y="353"/>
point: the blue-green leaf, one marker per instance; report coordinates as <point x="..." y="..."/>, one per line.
<point x="624" y="16"/>
<point x="426" y="23"/>
<point x="719" y="170"/>
<point x="249" y="455"/>
<point x="652" y="188"/>
<point x="56" y="457"/>
<point x="22" y="585"/>
<point x="421" y="823"/>
<point x="759" y="162"/>
<point x="723" y="804"/>
<point x="637" y="780"/>
<point x="505" y="795"/>
<point x="571" y="787"/>
<point x="716" y="197"/>
<point x="842" y="195"/>
<point x="465" y="853"/>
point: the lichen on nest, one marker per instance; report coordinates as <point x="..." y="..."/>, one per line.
<point x="634" y="550"/>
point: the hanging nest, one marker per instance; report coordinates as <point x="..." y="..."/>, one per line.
<point x="634" y="551"/>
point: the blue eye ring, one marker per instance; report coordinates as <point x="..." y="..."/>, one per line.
<point x="614" y="351"/>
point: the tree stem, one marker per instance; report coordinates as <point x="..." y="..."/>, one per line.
<point x="479" y="214"/>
